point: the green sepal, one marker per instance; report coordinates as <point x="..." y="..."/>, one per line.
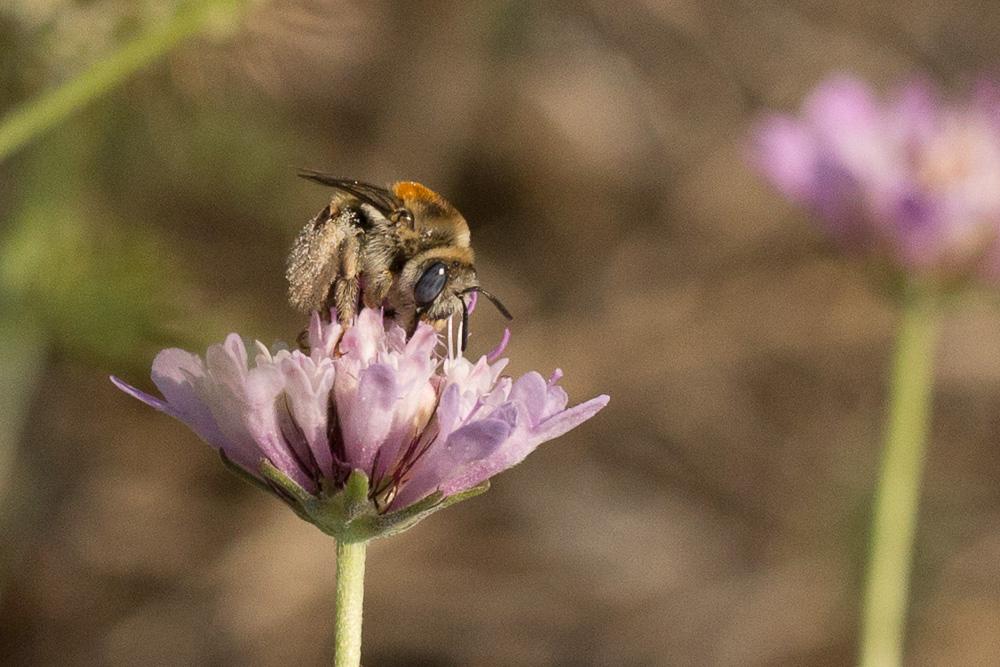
<point x="287" y="490"/>
<point x="286" y="484"/>
<point x="355" y="494"/>
<point x="404" y="519"/>
<point x="350" y="516"/>
<point x="478" y="490"/>
<point x="347" y="514"/>
<point x="237" y="470"/>
<point x="257" y="482"/>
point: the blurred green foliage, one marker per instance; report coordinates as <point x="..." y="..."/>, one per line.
<point x="82" y="275"/>
<point x="94" y="283"/>
<point x="155" y="38"/>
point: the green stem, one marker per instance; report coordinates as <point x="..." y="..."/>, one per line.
<point x="48" y="110"/>
<point x="350" y="596"/>
<point x="898" y="493"/>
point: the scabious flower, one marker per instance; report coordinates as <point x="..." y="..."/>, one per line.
<point x="366" y="432"/>
<point x="909" y="179"/>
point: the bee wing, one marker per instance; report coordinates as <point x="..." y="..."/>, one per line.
<point x="315" y="259"/>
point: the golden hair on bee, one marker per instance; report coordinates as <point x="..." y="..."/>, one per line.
<point x="405" y="249"/>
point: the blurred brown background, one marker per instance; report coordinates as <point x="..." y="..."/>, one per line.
<point x="714" y="514"/>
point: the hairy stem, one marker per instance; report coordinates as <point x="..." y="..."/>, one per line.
<point x="350" y="597"/>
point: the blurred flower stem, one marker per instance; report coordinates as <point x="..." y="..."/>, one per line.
<point x="350" y="597"/>
<point x="898" y="494"/>
<point x="48" y="110"/>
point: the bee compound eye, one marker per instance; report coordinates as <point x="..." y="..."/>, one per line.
<point x="430" y="284"/>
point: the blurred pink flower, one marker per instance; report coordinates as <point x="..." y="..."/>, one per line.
<point x="416" y="423"/>
<point x="910" y="179"/>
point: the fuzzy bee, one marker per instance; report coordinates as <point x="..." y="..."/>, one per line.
<point x="405" y="249"/>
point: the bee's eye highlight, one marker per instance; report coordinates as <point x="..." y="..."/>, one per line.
<point x="430" y="284"/>
<point x="402" y="216"/>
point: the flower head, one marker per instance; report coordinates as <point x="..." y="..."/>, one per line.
<point x="909" y="179"/>
<point x="367" y="432"/>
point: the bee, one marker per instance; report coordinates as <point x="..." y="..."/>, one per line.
<point x="402" y="248"/>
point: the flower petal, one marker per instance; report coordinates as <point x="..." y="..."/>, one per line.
<point x="564" y="421"/>
<point x="180" y="377"/>
<point x="151" y="401"/>
<point x="427" y="423"/>
<point x="495" y="353"/>
<point x="449" y="466"/>
<point x="365" y="410"/>
<point x="524" y="441"/>
<point x="786" y="153"/>
<point x="531" y="391"/>
<point x="307" y="392"/>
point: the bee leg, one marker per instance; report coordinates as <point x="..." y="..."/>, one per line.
<point x="377" y="289"/>
<point x="346" y="288"/>
<point x="345" y="296"/>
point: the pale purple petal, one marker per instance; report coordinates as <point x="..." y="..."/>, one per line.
<point x="566" y="420"/>
<point x="786" y="153"/>
<point x="151" y="401"/>
<point x="448" y="416"/>
<point x="180" y="377"/>
<point x="421" y="345"/>
<point x="911" y="180"/>
<point x="395" y="339"/>
<point x="366" y="338"/>
<point x="307" y="393"/>
<point x="847" y="121"/>
<point x="323" y="338"/>
<point x="495" y="353"/>
<point x="226" y="364"/>
<point x="264" y="385"/>
<point x="915" y="114"/>
<point x="531" y="391"/>
<point x="448" y="465"/>
<point x="842" y="107"/>
<point x="986" y="98"/>
<point x="523" y="442"/>
<point x="365" y="410"/>
<point x="242" y="401"/>
<point x="412" y="421"/>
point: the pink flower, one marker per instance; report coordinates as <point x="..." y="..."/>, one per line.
<point x="411" y="427"/>
<point x="909" y="179"/>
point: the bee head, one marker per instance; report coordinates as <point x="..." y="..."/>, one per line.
<point x="439" y="282"/>
<point x="435" y="280"/>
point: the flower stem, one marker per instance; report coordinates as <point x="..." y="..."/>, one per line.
<point x="898" y="493"/>
<point x="350" y="596"/>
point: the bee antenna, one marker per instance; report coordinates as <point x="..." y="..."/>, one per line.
<point x="495" y="301"/>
